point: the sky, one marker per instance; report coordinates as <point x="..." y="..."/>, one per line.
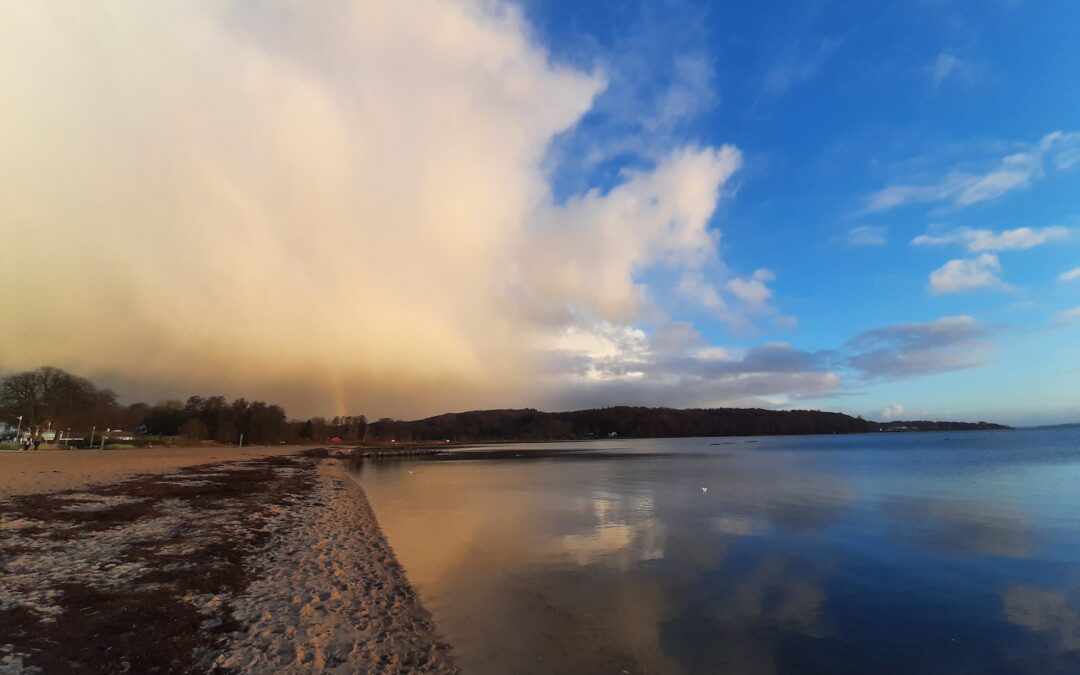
<point x="402" y="209"/>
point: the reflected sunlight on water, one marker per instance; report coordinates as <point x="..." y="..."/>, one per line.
<point x="928" y="553"/>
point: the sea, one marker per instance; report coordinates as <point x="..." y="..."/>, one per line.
<point x="943" y="552"/>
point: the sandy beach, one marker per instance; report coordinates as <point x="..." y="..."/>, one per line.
<point x="24" y="473"/>
<point x="201" y="560"/>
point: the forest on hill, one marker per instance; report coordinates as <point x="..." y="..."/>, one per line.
<point x="50" y="398"/>
<point x="640" y="422"/>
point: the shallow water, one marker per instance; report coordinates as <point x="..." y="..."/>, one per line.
<point x="883" y="553"/>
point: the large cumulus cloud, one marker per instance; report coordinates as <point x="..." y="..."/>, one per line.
<point x="343" y="207"/>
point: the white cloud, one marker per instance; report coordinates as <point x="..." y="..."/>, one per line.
<point x="673" y="365"/>
<point x="660" y="79"/>
<point x="1070" y="275"/>
<point x="977" y="241"/>
<point x="1060" y="150"/>
<point x="611" y="364"/>
<point x="693" y="286"/>
<point x="753" y="290"/>
<point x="602" y="344"/>
<point x="689" y="93"/>
<point x="1016" y="171"/>
<point x="891" y="412"/>
<point x="739" y="300"/>
<point x="584" y="255"/>
<point x="341" y="207"/>
<point x="949" y="66"/>
<point x="798" y="65"/>
<point x="967" y="274"/>
<point x="982" y="271"/>
<point x="868" y="235"/>
<point x="1073" y="313"/>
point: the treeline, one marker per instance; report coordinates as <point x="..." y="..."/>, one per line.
<point x="50" y="395"/>
<point x="624" y="421"/>
<point x="212" y="419"/>
<point x="639" y="422"/>
<point x="926" y="425"/>
<point x="50" y="398"/>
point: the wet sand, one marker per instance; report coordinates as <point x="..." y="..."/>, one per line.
<point x="270" y="564"/>
<point x="51" y="470"/>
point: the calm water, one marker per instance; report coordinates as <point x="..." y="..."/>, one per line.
<point x="884" y="553"/>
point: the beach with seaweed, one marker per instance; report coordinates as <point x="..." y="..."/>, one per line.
<point x="217" y="561"/>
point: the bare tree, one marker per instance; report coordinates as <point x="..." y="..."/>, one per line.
<point x="51" y="395"/>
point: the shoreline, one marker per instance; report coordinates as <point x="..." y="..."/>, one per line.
<point x="262" y="564"/>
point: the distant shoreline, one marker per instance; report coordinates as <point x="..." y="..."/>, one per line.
<point x="429" y="445"/>
<point x="528" y="424"/>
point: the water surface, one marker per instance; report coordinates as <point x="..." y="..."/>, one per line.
<point x="881" y="553"/>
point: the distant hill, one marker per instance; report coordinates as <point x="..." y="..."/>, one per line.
<point x="923" y="425"/>
<point x="639" y="422"/>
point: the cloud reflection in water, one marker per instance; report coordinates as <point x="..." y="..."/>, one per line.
<point x="811" y="555"/>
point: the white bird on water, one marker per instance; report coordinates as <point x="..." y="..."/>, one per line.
<point x="704" y="490"/>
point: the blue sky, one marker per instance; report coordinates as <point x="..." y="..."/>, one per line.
<point x="831" y="103"/>
<point x="406" y="208"/>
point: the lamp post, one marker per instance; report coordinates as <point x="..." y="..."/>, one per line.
<point x="19" y="431"/>
<point x="92" y="437"/>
